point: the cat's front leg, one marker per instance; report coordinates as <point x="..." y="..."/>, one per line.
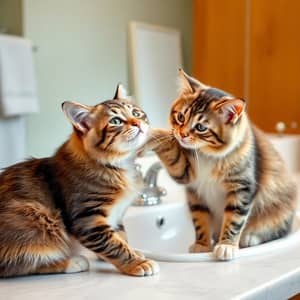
<point x="157" y="138"/>
<point x="201" y="220"/>
<point x="98" y="236"/>
<point x="179" y="162"/>
<point x="120" y="230"/>
<point x="237" y="210"/>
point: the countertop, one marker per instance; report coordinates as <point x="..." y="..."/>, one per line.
<point x="273" y="276"/>
<point x="266" y="277"/>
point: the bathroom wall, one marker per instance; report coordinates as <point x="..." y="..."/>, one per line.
<point x="82" y="54"/>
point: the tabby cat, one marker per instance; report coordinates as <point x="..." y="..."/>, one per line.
<point x="238" y="189"/>
<point x="83" y="191"/>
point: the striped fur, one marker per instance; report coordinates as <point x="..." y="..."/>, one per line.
<point x="238" y="189"/>
<point x="83" y="191"/>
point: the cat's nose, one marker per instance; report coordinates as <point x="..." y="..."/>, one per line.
<point x="135" y="123"/>
<point x="184" y="134"/>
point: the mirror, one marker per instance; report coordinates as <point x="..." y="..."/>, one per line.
<point x="156" y="55"/>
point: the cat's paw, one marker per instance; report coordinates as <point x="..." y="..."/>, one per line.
<point x="77" y="264"/>
<point x="158" y="136"/>
<point x="198" y="248"/>
<point x="225" y="251"/>
<point x="141" y="267"/>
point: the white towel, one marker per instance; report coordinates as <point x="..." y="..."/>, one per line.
<point x="18" y="93"/>
<point x="12" y="140"/>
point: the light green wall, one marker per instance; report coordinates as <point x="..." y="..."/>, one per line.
<point x="11" y="16"/>
<point x="82" y="54"/>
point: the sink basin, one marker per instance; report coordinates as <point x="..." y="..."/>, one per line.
<point x="165" y="232"/>
<point x="288" y="145"/>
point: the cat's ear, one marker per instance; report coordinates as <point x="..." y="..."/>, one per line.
<point x="230" y="110"/>
<point x="79" y="115"/>
<point x="121" y="92"/>
<point x="188" y="84"/>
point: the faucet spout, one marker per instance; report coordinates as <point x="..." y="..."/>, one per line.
<point x="152" y="174"/>
<point x="151" y="193"/>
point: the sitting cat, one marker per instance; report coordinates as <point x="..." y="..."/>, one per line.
<point x="83" y="190"/>
<point x="238" y="189"/>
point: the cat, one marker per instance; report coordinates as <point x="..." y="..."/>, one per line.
<point x="81" y="191"/>
<point x="238" y="189"/>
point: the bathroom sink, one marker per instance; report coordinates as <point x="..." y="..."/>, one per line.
<point x="165" y="232"/>
<point x="288" y="145"/>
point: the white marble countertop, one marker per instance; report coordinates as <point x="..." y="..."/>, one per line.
<point x="265" y="277"/>
<point x="273" y="276"/>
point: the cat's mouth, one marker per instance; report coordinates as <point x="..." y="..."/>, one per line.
<point x="183" y="141"/>
<point x="185" y="144"/>
<point x="134" y="134"/>
<point x="132" y="137"/>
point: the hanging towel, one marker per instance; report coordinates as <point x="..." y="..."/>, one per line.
<point x="12" y="140"/>
<point x="18" y="94"/>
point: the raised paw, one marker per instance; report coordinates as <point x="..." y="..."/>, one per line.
<point x="198" y="248"/>
<point x="77" y="264"/>
<point x="141" y="267"/>
<point x="225" y="251"/>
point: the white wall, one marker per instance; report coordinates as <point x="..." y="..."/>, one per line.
<point x="82" y="54"/>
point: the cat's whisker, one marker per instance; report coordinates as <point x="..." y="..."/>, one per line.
<point x="196" y="157"/>
<point x="131" y="133"/>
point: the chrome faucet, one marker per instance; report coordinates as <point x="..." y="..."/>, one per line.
<point x="151" y="193"/>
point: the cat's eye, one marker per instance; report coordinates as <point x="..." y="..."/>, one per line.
<point x="115" y="121"/>
<point x="180" y="117"/>
<point x="136" y="113"/>
<point x="200" y="127"/>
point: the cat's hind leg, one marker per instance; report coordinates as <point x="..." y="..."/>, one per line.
<point x="250" y="240"/>
<point x="74" y="264"/>
<point x="266" y="229"/>
<point x="33" y="240"/>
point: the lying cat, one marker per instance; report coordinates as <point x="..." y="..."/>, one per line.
<point x="83" y="190"/>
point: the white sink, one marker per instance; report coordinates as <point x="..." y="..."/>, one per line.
<point x="165" y="232"/>
<point x="288" y="145"/>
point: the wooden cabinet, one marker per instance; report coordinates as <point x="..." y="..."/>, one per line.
<point x="252" y="49"/>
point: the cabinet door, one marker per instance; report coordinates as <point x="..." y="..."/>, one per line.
<point x="274" y="68"/>
<point x="252" y="49"/>
<point x="219" y="43"/>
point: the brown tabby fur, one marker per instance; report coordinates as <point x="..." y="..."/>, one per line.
<point x="238" y="189"/>
<point x="83" y="190"/>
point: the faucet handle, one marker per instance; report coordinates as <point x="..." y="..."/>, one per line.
<point x="151" y="196"/>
